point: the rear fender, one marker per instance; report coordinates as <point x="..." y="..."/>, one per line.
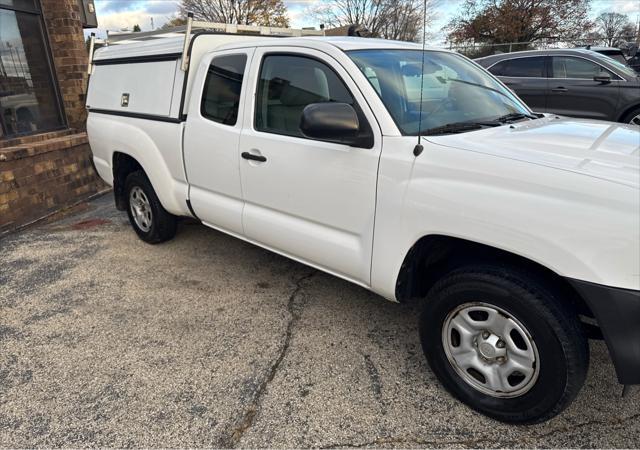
<point x="111" y="134"/>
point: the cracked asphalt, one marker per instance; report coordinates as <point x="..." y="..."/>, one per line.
<point x="207" y="341"/>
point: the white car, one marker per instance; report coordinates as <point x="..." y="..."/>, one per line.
<point x="519" y="232"/>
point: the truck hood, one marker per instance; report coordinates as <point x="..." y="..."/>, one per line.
<point x="605" y="150"/>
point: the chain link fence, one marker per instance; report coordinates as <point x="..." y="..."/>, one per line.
<point x="474" y="50"/>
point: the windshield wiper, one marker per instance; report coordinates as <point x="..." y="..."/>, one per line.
<point x="515" y="116"/>
<point x="457" y="127"/>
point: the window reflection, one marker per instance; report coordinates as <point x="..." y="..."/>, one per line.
<point x="25" y="5"/>
<point x="28" y="102"/>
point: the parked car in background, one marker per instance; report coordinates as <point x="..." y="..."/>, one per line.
<point x="631" y="59"/>
<point x="611" y="52"/>
<point x="20" y="112"/>
<point x="634" y="62"/>
<point x="570" y="82"/>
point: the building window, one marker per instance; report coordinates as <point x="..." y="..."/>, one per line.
<point x="28" y="99"/>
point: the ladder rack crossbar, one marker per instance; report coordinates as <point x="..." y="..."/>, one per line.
<point x="252" y="29"/>
<point x="238" y="29"/>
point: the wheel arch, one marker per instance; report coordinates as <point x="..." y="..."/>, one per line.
<point x="433" y="256"/>
<point x="627" y="111"/>
<point x="123" y="164"/>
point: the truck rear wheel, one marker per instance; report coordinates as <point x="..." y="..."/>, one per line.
<point x="500" y="341"/>
<point x="149" y="219"/>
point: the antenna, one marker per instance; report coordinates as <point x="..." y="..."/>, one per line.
<point x="417" y="150"/>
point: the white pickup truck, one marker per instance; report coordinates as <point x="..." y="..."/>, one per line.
<point x="416" y="175"/>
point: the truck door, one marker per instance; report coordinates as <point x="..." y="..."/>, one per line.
<point x="309" y="199"/>
<point x="212" y="136"/>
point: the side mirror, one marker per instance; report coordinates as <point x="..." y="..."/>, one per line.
<point x="602" y="77"/>
<point x="330" y="122"/>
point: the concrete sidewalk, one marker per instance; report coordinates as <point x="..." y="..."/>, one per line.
<point x="210" y="341"/>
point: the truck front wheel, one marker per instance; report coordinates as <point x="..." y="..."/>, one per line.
<point x="149" y="219"/>
<point x="500" y="341"/>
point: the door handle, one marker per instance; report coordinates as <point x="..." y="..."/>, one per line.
<point x="560" y="89"/>
<point x="252" y="157"/>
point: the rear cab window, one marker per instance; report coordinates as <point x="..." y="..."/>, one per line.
<point x="221" y="95"/>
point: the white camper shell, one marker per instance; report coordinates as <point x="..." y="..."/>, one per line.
<point x="138" y="73"/>
<point x="129" y="78"/>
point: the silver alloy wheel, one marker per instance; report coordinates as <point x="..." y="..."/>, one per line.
<point x="635" y="120"/>
<point x="490" y="350"/>
<point x="140" y="208"/>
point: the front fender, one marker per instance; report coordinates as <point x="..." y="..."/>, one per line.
<point x="578" y="226"/>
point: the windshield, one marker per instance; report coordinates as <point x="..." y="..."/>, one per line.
<point x="622" y="67"/>
<point x="454" y="89"/>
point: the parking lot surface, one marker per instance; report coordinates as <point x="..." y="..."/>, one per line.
<point x="210" y="341"/>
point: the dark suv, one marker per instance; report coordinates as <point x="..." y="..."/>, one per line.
<point x="571" y="82"/>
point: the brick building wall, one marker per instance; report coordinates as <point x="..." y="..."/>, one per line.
<point x="45" y="172"/>
<point x="41" y="176"/>
<point x="66" y="40"/>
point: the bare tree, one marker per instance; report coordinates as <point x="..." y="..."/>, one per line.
<point x="403" y="20"/>
<point x="389" y="19"/>
<point x="612" y="26"/>
<point x="271" y="13"/>
<point x="629" y="33"/>
<point x="506" y="21"/>
<point x="173" y="21"/>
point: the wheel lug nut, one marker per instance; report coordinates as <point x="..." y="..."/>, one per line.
<point x="485" y="335"/>
<point x="500" y="344"/>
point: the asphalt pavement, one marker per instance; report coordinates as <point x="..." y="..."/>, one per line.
<point x="208" y="341"/>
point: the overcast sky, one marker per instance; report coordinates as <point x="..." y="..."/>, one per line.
<point x="118" y="14"/>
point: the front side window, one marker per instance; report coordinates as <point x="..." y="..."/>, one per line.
<point x="453" y="88"/>
<point x="28" y="100"/>
<point x="532" y="67"/>
<point x="287" y="85"/>
<point x="221" y="94"/>
<point x="568" y="67"/>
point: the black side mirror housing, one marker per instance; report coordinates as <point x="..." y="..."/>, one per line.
<point x="602" y="77"/>
<point x="336" y="122"/>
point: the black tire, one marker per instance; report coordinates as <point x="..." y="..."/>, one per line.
<point x="162" y="225"/>
<point x="629" y="116"/>
<point x="554" y="328"/>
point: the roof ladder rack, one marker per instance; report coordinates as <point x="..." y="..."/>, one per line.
<point x="237" y="29"/>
